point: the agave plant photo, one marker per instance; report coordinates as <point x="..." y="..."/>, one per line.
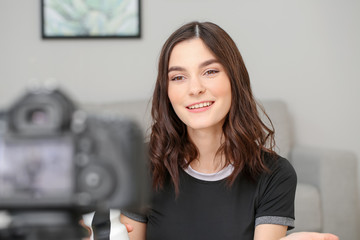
<point x="91" y="18"/>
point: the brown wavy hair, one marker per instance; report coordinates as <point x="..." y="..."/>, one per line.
<point x="246" y="137"/>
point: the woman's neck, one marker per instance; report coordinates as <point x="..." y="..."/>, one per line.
<point x="208" y="142"/>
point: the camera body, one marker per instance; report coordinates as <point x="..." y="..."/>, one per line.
<point x="55" y="156"/>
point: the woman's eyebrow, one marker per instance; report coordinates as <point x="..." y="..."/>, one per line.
<point x="203" y="64"/>
<point x="176" y="68"/>
<point x="208" y="62"/>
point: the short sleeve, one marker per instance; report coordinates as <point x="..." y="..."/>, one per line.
<point x="135" y="216"/>
<point x="276" y="195"/>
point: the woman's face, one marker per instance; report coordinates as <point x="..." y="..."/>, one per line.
<point x="199" y="88"/>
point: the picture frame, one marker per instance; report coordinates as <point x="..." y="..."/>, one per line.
<point x="69" y="19"/>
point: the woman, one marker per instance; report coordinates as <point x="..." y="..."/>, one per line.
<point x="215" y="173"/>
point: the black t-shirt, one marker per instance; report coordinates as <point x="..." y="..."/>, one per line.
<point x="212" y="210"/>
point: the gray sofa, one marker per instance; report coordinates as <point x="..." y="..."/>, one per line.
<point x="327" y="192"/>
<point x="326" y="197"/>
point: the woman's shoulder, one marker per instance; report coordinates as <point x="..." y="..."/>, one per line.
<point x="273" y="160"/>
<point x="278" y="165"/>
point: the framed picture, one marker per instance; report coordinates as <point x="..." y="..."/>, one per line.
<point x="90" y="19"/>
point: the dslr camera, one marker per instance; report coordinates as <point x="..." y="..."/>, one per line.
<point x="57" y="162"/>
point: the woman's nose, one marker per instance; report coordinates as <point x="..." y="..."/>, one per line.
<point x="196" y="87"/>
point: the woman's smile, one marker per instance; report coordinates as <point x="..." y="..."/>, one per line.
<point x="200" y="106"/>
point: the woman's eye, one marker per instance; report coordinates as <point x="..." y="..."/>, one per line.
<point x="177" y="78"/>
<point x="211" y="72"/>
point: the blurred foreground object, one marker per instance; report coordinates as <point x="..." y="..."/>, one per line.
<point x="57" y="162"/>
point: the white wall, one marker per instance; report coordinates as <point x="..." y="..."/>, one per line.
<point x="305" y="52"/>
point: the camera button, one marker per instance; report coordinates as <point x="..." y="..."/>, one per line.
<point x="93" y="179"/>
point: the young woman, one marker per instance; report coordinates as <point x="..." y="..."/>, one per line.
<point x="214" y="171"/>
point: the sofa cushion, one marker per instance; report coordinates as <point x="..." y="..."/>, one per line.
<point x="308" y="210"/>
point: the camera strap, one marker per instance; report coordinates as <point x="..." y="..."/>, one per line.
<point x="101" y="225"/>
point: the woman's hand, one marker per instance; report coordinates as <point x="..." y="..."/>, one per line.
<point x="310" y="236"/>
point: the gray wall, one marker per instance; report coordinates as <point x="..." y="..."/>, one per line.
<point x="304" y="52"/>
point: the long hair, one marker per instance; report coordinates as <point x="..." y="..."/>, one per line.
<point x="246" y="137"/>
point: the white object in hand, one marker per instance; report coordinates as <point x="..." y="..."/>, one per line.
<point x="117" y="229"/>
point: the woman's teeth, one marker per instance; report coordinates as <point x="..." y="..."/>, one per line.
<point x="200" y="105"/>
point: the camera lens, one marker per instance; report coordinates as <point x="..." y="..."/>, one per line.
<point x="37" y="117"/>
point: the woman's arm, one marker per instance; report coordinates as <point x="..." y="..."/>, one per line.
<point x="278" y="232"/>
<point x="310" y="236"/>
<point x="137" y="230"/>
<point x="269" y="232"/>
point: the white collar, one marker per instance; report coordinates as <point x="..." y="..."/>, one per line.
<point x="222" y="174"/>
